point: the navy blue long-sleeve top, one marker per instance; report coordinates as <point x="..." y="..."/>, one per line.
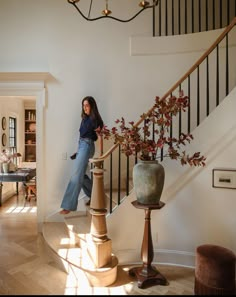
<point x="88" y="127"/>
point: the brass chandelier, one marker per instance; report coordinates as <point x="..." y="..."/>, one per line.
<point x="106" y="13"/>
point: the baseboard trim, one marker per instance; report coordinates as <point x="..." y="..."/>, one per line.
<point x="161" y="256"/>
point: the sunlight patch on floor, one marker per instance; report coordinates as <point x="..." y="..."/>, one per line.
<point x="84" y="289"/>
<point x="22" y="209"/>
<point x="78" y="284"/>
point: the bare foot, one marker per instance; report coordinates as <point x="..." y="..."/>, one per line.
<point x="64" y="211"/>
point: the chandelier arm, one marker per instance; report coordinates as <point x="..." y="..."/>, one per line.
<point x="77" y="8"/>
<point x="108" y="16"/>
<point x="124" y="21"/>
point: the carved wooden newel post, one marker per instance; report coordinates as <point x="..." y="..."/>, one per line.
<point x="100" y="247"/>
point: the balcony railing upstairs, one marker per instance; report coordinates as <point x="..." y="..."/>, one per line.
<point x="175" y="17"/>
<point x="206" y="84"/>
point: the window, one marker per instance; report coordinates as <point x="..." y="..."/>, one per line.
<point x="12" y="137"/>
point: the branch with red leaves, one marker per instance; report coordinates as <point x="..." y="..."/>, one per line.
<point x="152" y="137"/>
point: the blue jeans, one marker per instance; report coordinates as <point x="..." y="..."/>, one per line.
<point x="79" y="179"/>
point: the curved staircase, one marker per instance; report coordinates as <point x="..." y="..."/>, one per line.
<point x="76" y="251"/>
<point x="80" y="242"/>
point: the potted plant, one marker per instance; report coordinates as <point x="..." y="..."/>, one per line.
<point x="151" y="141"/>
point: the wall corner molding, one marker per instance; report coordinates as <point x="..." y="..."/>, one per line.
<point x="173" y="44"/>
<point x="24" y="76"/>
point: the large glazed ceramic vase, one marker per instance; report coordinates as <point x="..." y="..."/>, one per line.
<point x="148" y="179"/>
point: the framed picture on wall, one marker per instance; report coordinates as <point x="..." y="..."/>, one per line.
<point x="4" y="139"/>
<point x="4" y="123"/>
<point x="224" y="178"/>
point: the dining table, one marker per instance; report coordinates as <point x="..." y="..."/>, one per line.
<point x="21" y="175"/>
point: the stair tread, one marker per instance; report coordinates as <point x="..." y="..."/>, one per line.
<point x="78" y="225"/>
<point x="57" y="236"/>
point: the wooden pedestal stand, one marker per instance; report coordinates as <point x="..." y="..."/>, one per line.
<point x="147" y="274"/>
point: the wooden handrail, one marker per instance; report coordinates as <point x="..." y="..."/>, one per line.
<point x="198" y="62"/>
<point x="104" y="156"/>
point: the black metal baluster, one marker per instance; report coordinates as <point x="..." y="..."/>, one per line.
<point x="162" y="154"/>
<point x="171" y="124"/>
<point x="127" y="175"/>
<point x="173" y="18"/>
<point x="179" y="17"/>
<point x="153" y="135"/>
<point x="160" y="18"/>
<point x="162" y="149"/>
<point x="186" y="18"/>
<point x="207" y="87"/>
<point x="228" y="12"/>
<point x="220" y="13"/>
<point x="154" y="21"/>
<point x="119" y="173"/>
<point x="153" y="131"/>
<point x="234" y="8"/>
<point x="217" y="75"/>
<point x="180" y="116"/>
<point x="166" y="18"/>
<point x="227" y="64"/>
<point x="198" y="97"/>
<point x="111" y="188"/>
<point x="199" y="16"/>
<point x="214" y="14"/>
<point x="189" y="107"/>
<point x="193" y="16"/>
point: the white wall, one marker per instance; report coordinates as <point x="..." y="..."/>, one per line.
<point x="87" y="58"/>
<point x="83" y="59"/>
<point x="195" y="213"/>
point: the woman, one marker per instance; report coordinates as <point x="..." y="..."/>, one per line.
<point x="90" y="125"/>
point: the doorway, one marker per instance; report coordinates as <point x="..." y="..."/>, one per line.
<point x="31" y="85"/>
